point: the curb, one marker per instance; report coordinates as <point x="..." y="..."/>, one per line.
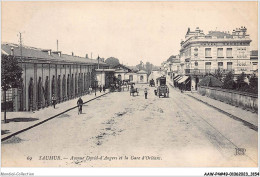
<point x="52" y="117"/>
<point x="248" y="124"/>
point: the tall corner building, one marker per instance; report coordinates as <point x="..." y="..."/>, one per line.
<point x="217" y="51"/>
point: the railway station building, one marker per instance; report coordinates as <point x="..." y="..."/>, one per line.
<point x="47" y="73"/>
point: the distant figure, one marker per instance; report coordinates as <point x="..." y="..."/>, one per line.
<point x="104" y="89"/>
<point x="145" y="93"/>
<point x="155" y="91"/>
<point x="53" y="99"/>
<point x="100" y="88"/>
<point x="90" y="90"/>
<point x="80" y="103"/>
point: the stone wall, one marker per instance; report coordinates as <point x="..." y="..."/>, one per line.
<point x="241" y="99"/>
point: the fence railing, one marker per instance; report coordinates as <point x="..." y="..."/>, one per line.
<point x="242" y="99"/>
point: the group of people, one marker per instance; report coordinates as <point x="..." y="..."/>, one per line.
<point x="80" y="101"/>
<point x="102" y="88"/>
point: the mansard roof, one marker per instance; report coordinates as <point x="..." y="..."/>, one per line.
<point x="219" y="34"/>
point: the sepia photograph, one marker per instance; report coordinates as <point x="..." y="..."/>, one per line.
<point x="129" y="84"/>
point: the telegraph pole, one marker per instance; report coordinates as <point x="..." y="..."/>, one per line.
<point x="98" y="61"/>
<point x="57" y="45"/>
<point x="21" y="50"/>
<point x="22" y="61"/>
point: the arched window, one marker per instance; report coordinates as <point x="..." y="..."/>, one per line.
<point x="53" y="85"/>
<point x="72" y="85"/>
<point x="58" y="89"/>
<point x="64" y="87"/>
<point x="141" y="78"/>
<point x="76" y="85"/>
<point x="47" y="91"/>
<point x="39" y="93"/>
<point x="30" y="95"/>
<point x="68" y="86"/>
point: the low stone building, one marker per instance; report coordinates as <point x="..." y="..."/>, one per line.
<point x="47" y="73"/>
<point x="125" y="73"/>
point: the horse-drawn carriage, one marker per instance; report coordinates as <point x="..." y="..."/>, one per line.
<point x="132" y="89"/>
<point x="163" y="89"/>
<point x="152" y="83"/>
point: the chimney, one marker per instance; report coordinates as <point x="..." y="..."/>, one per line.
<point x="86" y="55"/>
<point x="72" y="54"/>
<point x="47" y="50"/>
<point x="57" y="52"/>
<point x="12" y="51"/>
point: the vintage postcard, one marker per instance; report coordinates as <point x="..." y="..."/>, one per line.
<point x="129" y="84"/>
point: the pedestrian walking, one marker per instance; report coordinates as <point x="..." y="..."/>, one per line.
<point x="104" y="89"/>
<point x="80" y="103"/>
<point x="53" y="99"/>
<point x="100" y="88"/>
<point x="155" y="91"/>
<point x="145" y="93"/>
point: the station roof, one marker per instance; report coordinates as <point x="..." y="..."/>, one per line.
<point x="45" y="54"/>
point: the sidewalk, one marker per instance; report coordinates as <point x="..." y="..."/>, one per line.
<point x="242" y="114"/>
<point x="21" y="121"/>
<point x="232" y="111"/>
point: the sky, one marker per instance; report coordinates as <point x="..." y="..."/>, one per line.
<point x="129" y="31"/>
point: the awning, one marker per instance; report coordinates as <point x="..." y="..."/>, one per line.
<point x="184" y="78"/>
<point x="177" y="78"/>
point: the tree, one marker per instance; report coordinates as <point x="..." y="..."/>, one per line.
<point x="218" y="75"/>
<point x="112" y="61"/>
<point x="11" y="76"/>
<point x="241" y="80"/>
<point x="140" y="66"/>
<point x="148" y="67"/>
<point x="229" y="83"/>
<point x="253" y="84"/>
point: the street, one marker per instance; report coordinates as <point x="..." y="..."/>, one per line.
<point x="178" y="131"/>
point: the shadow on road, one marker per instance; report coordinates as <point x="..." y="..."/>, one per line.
<point x="21" y="119"/>
<point x="13" y="140"/>
<point x="3" y="132"/>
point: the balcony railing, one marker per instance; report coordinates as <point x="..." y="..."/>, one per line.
<point x="207" y="71"/>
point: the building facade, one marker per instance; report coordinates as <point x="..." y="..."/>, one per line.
<point x="125" y="73"/>
<point x="217" y="51"/>
<point x="47" y="73"/>
<point x="254" y="61"/>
